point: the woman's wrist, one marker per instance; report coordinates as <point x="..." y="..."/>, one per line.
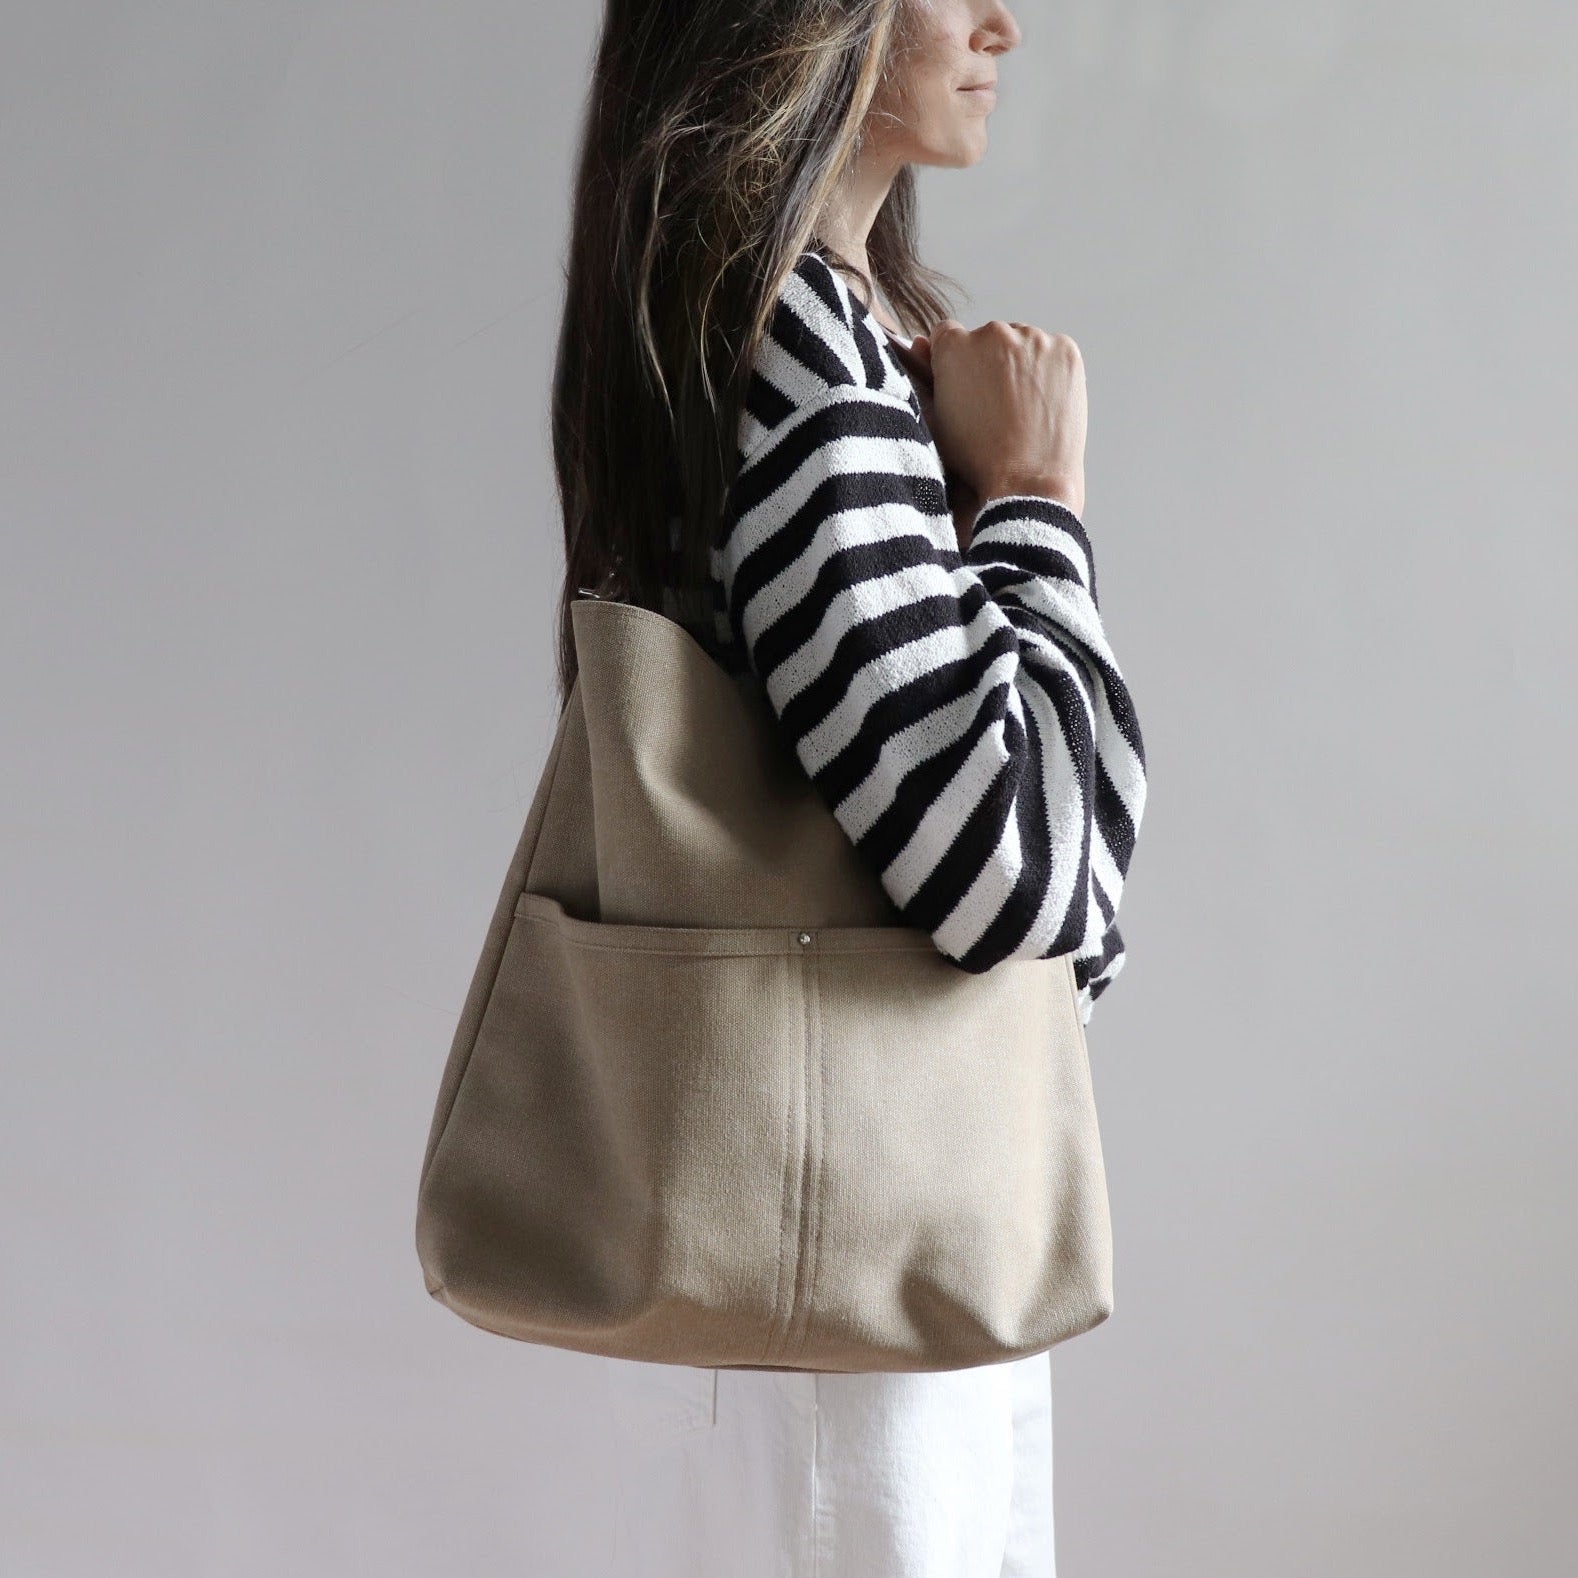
<point x="1067" y="491"/>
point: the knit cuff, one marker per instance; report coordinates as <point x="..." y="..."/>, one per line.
<point x="1033" y="527"/>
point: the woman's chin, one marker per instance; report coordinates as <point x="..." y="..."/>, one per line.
<point x="972" y="147"/>
<point x="958" y="152"/>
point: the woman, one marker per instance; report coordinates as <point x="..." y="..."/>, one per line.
<point x="885" y="534"/>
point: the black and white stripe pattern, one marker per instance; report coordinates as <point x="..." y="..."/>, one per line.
<point x="962" y="715"/>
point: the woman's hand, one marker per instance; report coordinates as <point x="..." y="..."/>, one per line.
<point x="1006" y="404"/>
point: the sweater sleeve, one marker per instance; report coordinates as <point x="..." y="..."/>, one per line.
<point x="961" y="715"/>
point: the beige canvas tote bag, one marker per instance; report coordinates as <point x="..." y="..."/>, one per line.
<point x="711" y="1103"/>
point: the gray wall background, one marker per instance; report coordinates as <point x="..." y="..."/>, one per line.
<point x="279" y="295"/>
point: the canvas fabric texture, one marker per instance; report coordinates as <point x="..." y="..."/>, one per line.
<point x="709" y="1104"/>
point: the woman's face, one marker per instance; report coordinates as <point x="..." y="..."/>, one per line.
<point x="927" y="110"/>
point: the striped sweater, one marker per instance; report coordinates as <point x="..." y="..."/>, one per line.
<point x="962" y="715"/>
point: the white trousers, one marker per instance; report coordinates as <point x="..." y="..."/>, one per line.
<point x="800" y="1474"/>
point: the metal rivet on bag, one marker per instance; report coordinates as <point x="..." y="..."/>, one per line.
<point x="805" y="936"/>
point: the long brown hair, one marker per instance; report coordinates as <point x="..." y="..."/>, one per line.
<point x="714" y="132"/>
